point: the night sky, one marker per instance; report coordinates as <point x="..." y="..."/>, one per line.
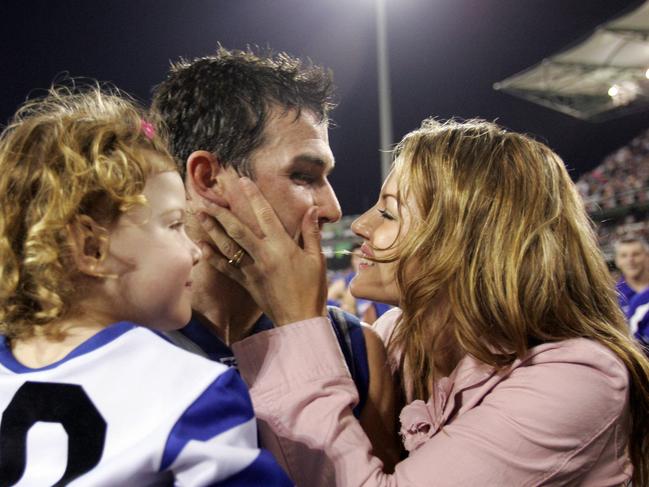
<point x="445" y="56"/>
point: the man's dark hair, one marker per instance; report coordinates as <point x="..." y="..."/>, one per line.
<point x="221" y="103"/>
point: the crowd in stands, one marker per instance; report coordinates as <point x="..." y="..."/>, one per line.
<point x="621" y="180"/>
<point x="616" y="193"/>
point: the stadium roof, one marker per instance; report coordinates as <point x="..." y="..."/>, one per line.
<point x="605" y="76"/>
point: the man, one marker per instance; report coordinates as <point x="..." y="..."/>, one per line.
<point x="632" y="259"/>
<point x="239" y="113"/>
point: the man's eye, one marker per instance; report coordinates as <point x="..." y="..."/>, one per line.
<point x="303" y="177"/>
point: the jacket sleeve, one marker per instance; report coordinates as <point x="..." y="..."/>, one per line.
<point x="546" y="424"/>
<point x="214" y="442"/>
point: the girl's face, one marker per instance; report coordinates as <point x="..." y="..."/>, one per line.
<point x="152" y="257"/>
<point x="381" y="228"/>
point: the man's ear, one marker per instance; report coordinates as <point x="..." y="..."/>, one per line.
<point x="207" y="178"/>
<point x="89" y="245"/>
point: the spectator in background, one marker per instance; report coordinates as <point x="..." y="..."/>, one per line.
<point x="632" y="258"/>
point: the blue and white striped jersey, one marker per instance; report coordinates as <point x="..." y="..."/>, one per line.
<point x="128" y="408"/>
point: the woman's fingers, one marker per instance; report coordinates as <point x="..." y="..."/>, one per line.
<point x="218" y="236"/>
<point x="267" y="219"/>
<point x="286" y="281"/>
<point x="227" y="233"/>
<point x="220" y="263"/>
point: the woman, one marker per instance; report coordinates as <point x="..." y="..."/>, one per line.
<point x="512" y="352"/>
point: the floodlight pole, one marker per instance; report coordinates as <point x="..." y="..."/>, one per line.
<point x="385" y="106"/>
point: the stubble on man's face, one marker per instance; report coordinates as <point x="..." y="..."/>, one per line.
<point x="291" y="170"/>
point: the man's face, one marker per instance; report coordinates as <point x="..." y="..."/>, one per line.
<point x="291" y="169"/>
<point x="632" y="259"/>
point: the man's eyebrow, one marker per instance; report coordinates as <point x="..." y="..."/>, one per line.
<point x="313" y="160"/>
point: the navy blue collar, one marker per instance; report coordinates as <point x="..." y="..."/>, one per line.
<point x="208" y="342"/>
<point x="211" y="344"/>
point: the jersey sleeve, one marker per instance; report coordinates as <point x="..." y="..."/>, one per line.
<point x="214" y="442"/>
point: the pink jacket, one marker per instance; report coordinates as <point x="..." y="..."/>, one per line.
<point x="559" y="416"/>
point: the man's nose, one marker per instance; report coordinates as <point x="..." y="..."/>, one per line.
<point x="328" y="206"/>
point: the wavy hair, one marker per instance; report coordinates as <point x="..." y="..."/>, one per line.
<point x="503" y="238"/>
<point x="74" y="151"/>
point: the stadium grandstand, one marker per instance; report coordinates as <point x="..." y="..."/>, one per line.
<point x="616" y="193"/>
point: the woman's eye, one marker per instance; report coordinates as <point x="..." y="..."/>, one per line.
<point x="179" y="225"/>
<point x="385" y="214"/>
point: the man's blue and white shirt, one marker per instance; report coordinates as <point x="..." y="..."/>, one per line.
<point x="128" y="408"/>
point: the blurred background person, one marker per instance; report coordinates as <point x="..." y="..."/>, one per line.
<point x="632" y="259"/>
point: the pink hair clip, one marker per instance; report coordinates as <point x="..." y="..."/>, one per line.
<point x="148" y="129"/>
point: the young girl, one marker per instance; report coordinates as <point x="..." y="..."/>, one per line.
<point x="514" y="358"/>
<point x="91" y="243"/>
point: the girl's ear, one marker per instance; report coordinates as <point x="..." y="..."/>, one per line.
<point x="89" y="245"/>
<point x="207" y="179"/>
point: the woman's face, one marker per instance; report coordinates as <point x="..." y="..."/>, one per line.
<point x="381" y="228"/>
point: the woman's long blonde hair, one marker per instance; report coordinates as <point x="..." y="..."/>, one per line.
<point x="75" y="151"/>
<point x="503" y="236"/>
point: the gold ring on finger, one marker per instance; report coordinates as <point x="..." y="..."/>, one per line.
<point x="236" y="258"/>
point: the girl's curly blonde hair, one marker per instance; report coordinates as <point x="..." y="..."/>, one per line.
<point x="75" y="151"/>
